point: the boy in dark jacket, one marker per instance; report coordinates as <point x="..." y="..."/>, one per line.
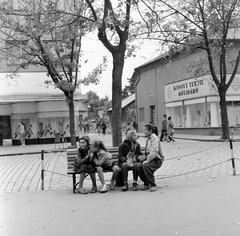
<point x="129" y="153"/>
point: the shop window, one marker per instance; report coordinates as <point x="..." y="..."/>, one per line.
<point x="236" y="103"/>
<point x="141" y="114"/>
<point x="233" y="103"/>
<point x="5" y="127"/>
<point x="152" y="114"/>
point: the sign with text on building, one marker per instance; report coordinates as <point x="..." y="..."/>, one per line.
<point x="195" y="88"/>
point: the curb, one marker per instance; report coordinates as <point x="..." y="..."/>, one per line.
<point x="207" y="140"/>
<point x="29" y="153"/>
<point x="201" y="140"/>
<point x="64" y="149"/>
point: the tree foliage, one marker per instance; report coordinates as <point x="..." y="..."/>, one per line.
<point x="128" y="89"/>
<point x="94" y="102"/>
<point x="47" y="34"/>
<point x="211" y="26"/>
<point x="113" y="31"/>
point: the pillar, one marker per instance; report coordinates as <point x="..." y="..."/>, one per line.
<point x="214" y="114"/>
<point x="189" y="116"/>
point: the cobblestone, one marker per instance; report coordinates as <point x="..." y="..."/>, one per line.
<point x="183" y="160"/>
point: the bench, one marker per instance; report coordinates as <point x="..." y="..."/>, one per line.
<point x="71" y="156"/>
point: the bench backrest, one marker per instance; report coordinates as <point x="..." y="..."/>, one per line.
<point x="72" y="154"/>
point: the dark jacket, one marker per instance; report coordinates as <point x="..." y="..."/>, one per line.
<point x="124" y="149"/>
<point x="83" y="156"/>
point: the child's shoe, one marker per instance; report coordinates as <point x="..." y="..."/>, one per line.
<point x="112" y="185"/>
<point x="134" y="187"/>
<point x="125" y="187"/>
<point x="104" y="189"/>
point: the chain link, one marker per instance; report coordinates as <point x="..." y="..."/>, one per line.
<point x="57" y="173"/>
<point x="170" y="176"/>
<point x="173" y="158"/>
<point x="194" y="171"/>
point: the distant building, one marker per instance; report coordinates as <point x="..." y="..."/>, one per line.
<point x="128" y="104"/>
<point x="24" y="96"/>
<point x="101" y="111"/>
<point x="167" y="87"/>
<point x="44" y="111"/>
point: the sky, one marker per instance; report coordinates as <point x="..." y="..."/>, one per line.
<point x="93" y="53"/>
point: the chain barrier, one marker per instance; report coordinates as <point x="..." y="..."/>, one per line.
<point x="52" y="160"/>
<point x="57" y="173"/>
<point x="193" y="153"/>
<point x="194" y="171"/>
<point x="45" y="167"/>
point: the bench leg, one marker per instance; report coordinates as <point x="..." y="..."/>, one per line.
<point x="74" y="182"/>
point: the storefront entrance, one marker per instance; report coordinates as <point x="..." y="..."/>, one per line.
<point x="5" y="128"/>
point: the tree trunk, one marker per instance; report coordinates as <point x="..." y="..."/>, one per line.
<point x="118" y="63"/>
<point x="224" y="114"/>
<point x="72" y="121"/>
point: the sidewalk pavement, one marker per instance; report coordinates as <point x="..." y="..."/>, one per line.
<point x="190" y="207"/>
<point x="107" y="139"/>
<point x="193" y="206"/>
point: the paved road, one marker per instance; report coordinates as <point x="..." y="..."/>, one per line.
<point x="184" y="159"/>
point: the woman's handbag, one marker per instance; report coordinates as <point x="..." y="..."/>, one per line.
<point x="131" y="158"/>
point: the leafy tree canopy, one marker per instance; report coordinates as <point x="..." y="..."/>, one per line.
<point x="128" y="89"/>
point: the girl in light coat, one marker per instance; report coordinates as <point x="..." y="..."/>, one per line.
<point x="103" y="161"/>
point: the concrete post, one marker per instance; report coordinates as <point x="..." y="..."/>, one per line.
<point x="213" y="110"/>
<point x="189" y="116"/>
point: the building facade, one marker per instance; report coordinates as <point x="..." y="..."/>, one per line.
<point x="128" y="108"/>
<point x="24" y="96"/>
<point x="169" y="87"/>
<point x="43" y="110"/>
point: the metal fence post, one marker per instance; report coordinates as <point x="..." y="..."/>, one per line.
<point x="42" y="169"/>
<point x="232" y="159"/>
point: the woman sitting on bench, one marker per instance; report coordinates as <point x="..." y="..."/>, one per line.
<point x="84" y="164"/>
<point x="103" y="161"/>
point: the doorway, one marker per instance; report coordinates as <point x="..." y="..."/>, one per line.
<point x="152" y="115"/>
<point x="5" y="128"/>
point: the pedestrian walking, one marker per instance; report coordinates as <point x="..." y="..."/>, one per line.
<point x="164" y="128"/>
<point x="170" y="130"/>
<point x="98" y="126"/>
<point x="104" y="127"/>
<point x="22" y="134"/>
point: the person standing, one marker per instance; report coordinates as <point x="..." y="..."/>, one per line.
<point x="135" y="125"/>
<point x="152" y="160"/>
<point x="170" y="129"/>
<point x="98" y="126"/>
<point x="164" y="128"/>
<point x="104" y="127"/>
<point x="87" y="126"/>
<point x="22" y="134"/>
<point x="129" y="152"/>
<point x="84" y="126"/>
